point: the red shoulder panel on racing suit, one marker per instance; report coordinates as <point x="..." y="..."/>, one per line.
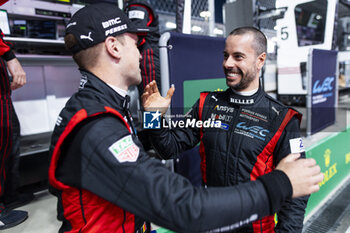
<point x="83" y="216"/>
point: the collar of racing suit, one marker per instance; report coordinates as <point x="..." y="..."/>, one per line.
<point x="106" y="93"/>
<point x="100" y="88"/>
<point x="238" y="99"/>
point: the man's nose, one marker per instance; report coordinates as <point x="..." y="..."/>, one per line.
<point x="229" y="62"/>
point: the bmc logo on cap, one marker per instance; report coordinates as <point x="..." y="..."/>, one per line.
<point x="111" y="22"/>
<point x="151" y="120"/>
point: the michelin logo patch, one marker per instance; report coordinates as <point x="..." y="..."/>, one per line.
<point x="125" y="150"/>
<point x="296" y="145"/>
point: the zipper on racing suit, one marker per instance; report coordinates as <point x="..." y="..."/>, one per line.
<point x="231" y="135"/>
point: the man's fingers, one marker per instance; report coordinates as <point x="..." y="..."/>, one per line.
<point x="315" y="170"/>
<point x="144" y="97"/>
<point x="147" y="88"/>
<point x="318" y="178"/>
<point x="170" y="92"/>
<point x="145" y="94"/>
<point x="14" y="86"/>
<point x="309" y="162"/>
<point x="315" y="177"/>
<point x="304" y="174"/>
<point x="291" y="157"/>
<point x="309" y="182"/>
<point x="310" y="166"/>
<point x="23" y="81"/>
<point x="154" y="86"/>
<point x="314" y="188"/>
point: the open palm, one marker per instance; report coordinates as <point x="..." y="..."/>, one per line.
<point x="153" y="101"/>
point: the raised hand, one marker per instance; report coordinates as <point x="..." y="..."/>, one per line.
<point x="153" y="101"/>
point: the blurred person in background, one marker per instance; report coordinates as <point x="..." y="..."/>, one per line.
<point x="10" y="138"/>
<point x="141" y="13"/>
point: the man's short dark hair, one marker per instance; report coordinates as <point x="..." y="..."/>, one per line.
<point x="260" y="41"/>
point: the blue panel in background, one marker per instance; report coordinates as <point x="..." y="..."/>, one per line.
<point x="323" y="97"/>
<point x="193" y="57"/>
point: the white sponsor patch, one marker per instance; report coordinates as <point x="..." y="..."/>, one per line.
<point x="125" y="150"/>
<point x="296" y="145"/>
<point x="136" y="14"/>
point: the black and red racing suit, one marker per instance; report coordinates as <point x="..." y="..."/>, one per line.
<point x="106" y="182"/>
<point x="254" y="136"/>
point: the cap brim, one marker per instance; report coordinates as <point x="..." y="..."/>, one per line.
<point x="138" y="29"/>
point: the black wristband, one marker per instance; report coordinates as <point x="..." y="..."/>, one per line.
<point x="8" y="55"/>
<point x="278" y="188"/>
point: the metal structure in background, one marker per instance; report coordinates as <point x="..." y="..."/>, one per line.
<point x="180" y="8"/>
<point x="238" y="14"/>
<point x="187" y="16"/>
<point x="202" y="23"/>
<point x="167" y="9"/>
<point x="211" y="10"/>
<point x="261" y="7"/>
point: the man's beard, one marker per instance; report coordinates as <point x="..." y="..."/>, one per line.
<point x="245" y="81"/>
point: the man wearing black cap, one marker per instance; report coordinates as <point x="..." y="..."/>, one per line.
<point x="99" y="171"/>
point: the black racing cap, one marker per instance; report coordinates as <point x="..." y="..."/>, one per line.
<point x="92" y="24"/>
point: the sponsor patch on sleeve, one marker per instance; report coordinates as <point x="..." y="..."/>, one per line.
<point x="125" y="150"/>
<point x="136" y="14"/>
<point x="296" y="145"/>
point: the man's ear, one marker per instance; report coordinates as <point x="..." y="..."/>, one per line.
<point x="113" y="47"/>
<point x="261" y="60"/>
